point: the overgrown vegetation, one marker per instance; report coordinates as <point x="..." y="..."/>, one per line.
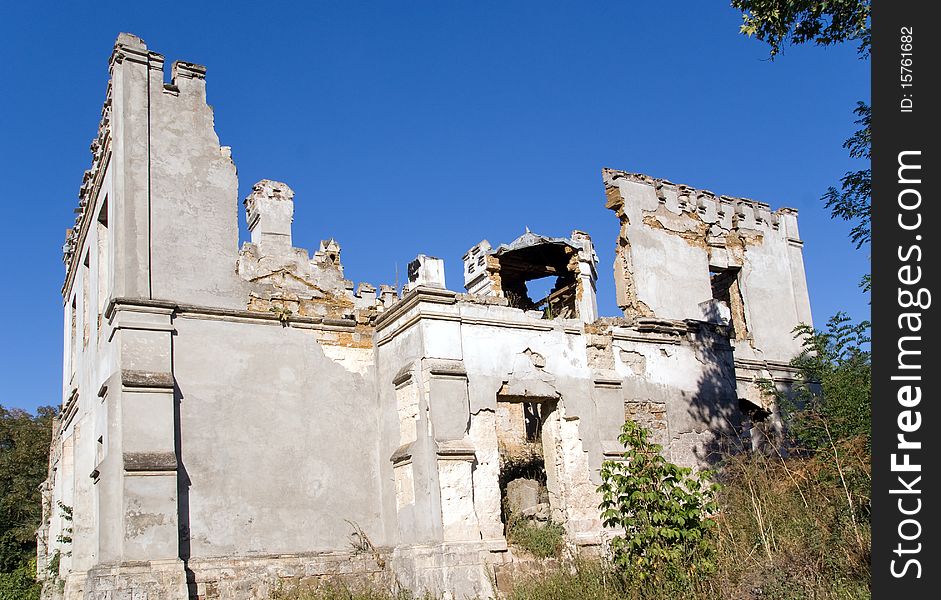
<point x="797" y="527"/>
<point x="24" y="451"/>
<point x="664" y="510"/>
<point x="543" y="540"/>
<point x="834" y="401"/>
<point x="338" y="591"/>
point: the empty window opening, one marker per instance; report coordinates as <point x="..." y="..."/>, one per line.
<point x="726" y="289"/>
<point x="540" y="288"/>
<point x="103" y="264"/>
<point x="539" y="277"/>
<point x="757" y="428"/>
<point x="72" y="341"/>
<point x="86" y="270"/>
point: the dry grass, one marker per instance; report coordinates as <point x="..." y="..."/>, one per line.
<point x="789" y="529"/>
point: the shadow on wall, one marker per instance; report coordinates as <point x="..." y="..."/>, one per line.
<point x="715" y="411"/>
<point x="183" y="484"/>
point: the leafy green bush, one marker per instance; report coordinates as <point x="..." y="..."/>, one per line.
<point x="665" y="511"/>
<point x="24" y="452"/>
<point x="20" y="583"/>
<point x="544" y="541"/>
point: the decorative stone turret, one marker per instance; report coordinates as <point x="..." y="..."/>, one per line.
<point x="270" y="212"/>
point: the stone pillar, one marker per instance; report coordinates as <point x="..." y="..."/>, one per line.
<point x="449" y="410"/>
<point x="425" y="271"/>
<point x="476" y="276"/>
<point x="270" y="212"/>
<point x="129" y="101"/>
<point x="587" y="275"/>
<point x="137" y="477"/>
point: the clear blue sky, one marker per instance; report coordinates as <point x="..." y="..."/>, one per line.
<point x="424" y="127"/>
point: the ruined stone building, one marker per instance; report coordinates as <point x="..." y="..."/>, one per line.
<point x="233" y="417"/>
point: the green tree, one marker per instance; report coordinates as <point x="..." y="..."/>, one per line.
<point x="823" y="22"/>
<point x="853" y="201"/>
<point x="20" y="584"/>
<point x="665" y="511"/>
<point x="24" y="452"/>
<point x="833" y="404"/>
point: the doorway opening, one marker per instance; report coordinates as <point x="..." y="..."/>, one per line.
<point x="527" y="432"/>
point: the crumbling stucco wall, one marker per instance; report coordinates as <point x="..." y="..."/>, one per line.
<point x="192" y="184"/>
<point x="687" y="253"/>
<point x="673" y="235"/>
<point x="537" y="360"/>
<point x="676" y="378"/>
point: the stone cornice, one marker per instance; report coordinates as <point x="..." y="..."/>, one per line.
<point x="770" y="365"/>
<point x="87" y="197"/>
<point x="445" y="367"/>
<point x="181" y="310"/>
<point x="455" y="450"/>
<point x="139" y="462"/>
<point x="128" y="48"/>
<point x="69" y="410"/>
<point x="412" y="299"/>
<point x="694" y="200"/>
<point x="148" y="380"/>
<point x="610" y="175"/>
<point x="567" y="327"/>
<point x="186" y="70"/>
